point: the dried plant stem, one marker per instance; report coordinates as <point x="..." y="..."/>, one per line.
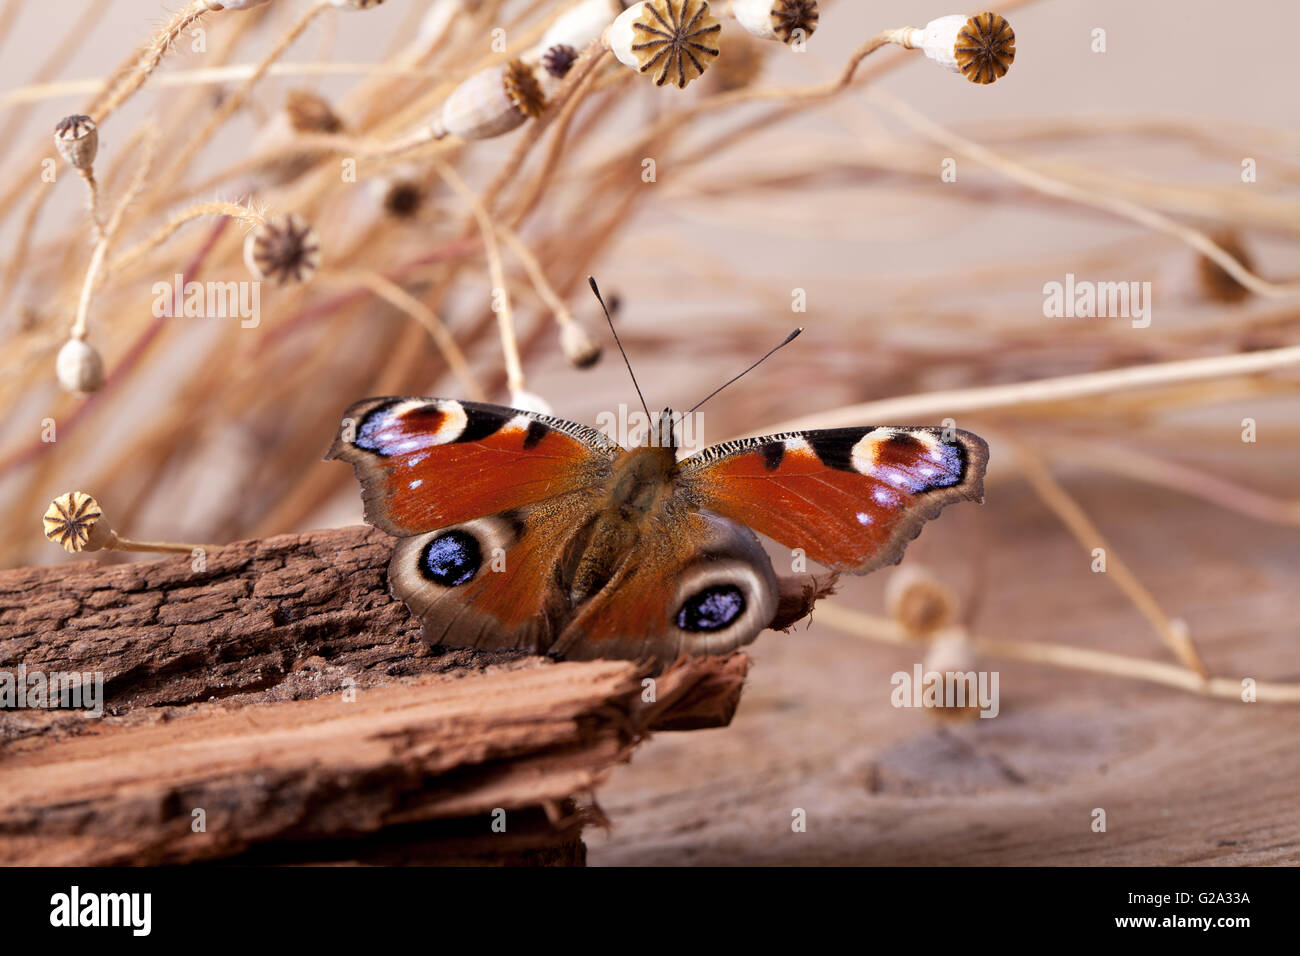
<point x="404" y="144"/>
<point x="533" y="269"/>
<point x="140" y="66"/>
<point x="1063" y="388"/>
<point x="790" y="97"/>
<point x="236" y="99"/>
<point x="79" y="29"/>
<point x="116" y="543"/>
<point x="1078" y="658"/>
<point x="37" y="451"/>
<point x="814" y="91"/>
<point x="400" y="299"/>
<point x="18" y="259"/>
<point x="1068" y="191"/>
<point x="26" y="235"/>
<point x="233" y="210"/>
<point x="326" y="143"/>
<point x="887" y="631"/>
<point x="92" y="201"/>
<point x="1090" y="537"/>
<point x="563" y="119"/>
<point x="1167" y="474"/>
<point x="100" y="252"/>
<point x="591" y="59"/>
<point x="8" y="15"/>
<point x="501" y="305"/>
<point x="88" y="288"/>
<point x="214" y="75"/>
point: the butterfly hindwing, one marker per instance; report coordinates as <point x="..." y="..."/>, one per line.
<point x="492" y="582"/>
<point x="851" y="498"/>
<point x="426" y="463"/>
<point x="702" y="585"/>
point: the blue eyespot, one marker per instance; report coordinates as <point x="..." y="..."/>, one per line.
<point x="712" y="609"/>
<point x="451" y="559"/>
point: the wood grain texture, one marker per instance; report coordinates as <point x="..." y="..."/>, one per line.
<point x="1184" y="779"/>
<point x="284" y="693"/>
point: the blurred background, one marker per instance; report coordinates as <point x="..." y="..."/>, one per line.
<point x="206" y="431"/>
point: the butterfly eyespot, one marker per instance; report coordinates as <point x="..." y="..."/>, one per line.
<point x="451" y="559"/>
<point x="712" y="609"/>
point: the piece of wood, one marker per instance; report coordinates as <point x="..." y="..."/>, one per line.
<point x="1183" y="779"/>
<point x="281" y="690"/>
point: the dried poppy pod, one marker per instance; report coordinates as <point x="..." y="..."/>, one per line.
<point x="919" y="601"/>
<point x="746" y="56"/>
<point x="673" y="40"/>
<point x="558" y="60"/>
<point x="309" y="112"/>
<point x="401" y="196"/>
<point x="580" y="26"/>
<point x="553" y="66"/>
<point x="75" y="522"/>
<point x="491" y="102"/>
<point x="578" y="346"/>
<point x="980" y="47"/>
<point x="79" y="368"/>
<point x="783" y="20"/>
<point x="286" y="248"/>
<point x="76" y="137"/>
<point x="951" y="652"/>
<point x="305" y="114"/>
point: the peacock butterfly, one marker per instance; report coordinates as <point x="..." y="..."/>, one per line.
<point x="525" y="531"/>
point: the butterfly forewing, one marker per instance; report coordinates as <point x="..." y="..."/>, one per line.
<point x="425" y="463"/>
<point x="851" y="498"/>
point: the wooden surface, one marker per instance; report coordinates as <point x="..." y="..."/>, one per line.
<point x="281" y="691"/>
<point x="1183" y="779"/>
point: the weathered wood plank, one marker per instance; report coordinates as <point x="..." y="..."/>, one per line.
<point x="281" y="691"/>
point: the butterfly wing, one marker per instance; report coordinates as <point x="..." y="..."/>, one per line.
<point x="485" y="499"/>
<point x="699" y="585"/>
<point x="493" y="582"/>
<point x="851" y="498"/>
<point x="426" y="463"/>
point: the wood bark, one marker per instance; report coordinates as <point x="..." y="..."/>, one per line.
<point x="281" y="698"/>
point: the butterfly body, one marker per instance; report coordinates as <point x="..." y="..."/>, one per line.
<point x="529" y="532"/>
<point x="635" y="498"/>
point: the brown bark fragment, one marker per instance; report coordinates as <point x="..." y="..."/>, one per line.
<point x="227" y="690"/>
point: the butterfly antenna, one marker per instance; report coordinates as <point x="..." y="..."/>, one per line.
<point x="592" y="282"/>
<point x="788" y="339"/>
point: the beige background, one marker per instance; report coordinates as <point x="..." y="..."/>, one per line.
<point x="887" y="260"/>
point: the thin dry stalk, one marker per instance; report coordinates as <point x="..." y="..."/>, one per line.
<point x="884" y="630"/>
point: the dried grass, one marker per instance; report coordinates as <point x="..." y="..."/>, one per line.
<point x="209" y="430"/>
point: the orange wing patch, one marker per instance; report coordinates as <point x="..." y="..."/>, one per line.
<point x="851" y="498"/>
<point x="428" y="463"/>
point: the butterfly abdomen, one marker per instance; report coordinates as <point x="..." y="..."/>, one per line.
<point x="637" y="491"/>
